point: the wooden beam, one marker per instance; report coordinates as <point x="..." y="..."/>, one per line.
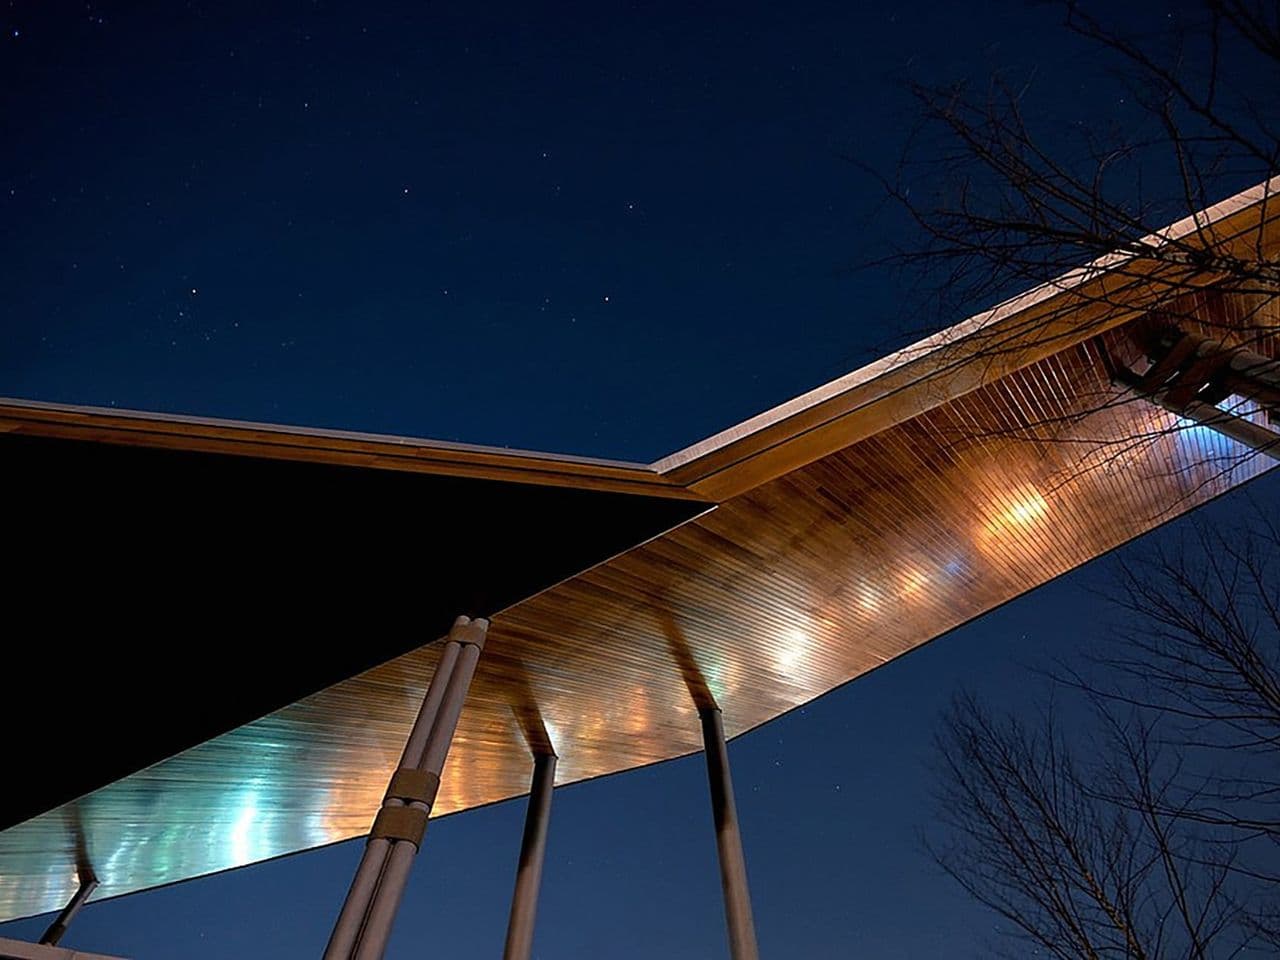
<point x="271" y="441"/>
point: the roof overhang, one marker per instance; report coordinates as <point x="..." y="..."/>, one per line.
<point x="776" y="560"/>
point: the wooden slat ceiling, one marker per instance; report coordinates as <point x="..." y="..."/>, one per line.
<point x="850" y="527"/>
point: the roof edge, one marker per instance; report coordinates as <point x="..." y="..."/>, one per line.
<point x="274" y="441"/>
<point x="1055" y="306"/>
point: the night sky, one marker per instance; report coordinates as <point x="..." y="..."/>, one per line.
<point x="592" y="229"/>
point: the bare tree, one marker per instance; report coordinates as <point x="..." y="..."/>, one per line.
<point x="1004" y="199"/>
<point x="1153" y="830"/>
<point x="1003" y="203"/>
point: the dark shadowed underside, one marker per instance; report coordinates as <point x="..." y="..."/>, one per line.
<point x="169" y="596"/>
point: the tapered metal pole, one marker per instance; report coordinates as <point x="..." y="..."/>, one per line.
<point x="347" y="929"/>
<point x="733" y="866"/>
<point x="1237" y="428"/>
<point x="1191" y="375"/>
<point x="386" y="898"/>
<point x="1225" y="422"/>
<point x="88" y="883"/>
<point x="533" y="848"/>
<point x="364" y="924"/>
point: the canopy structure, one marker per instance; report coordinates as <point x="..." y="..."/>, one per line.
<point x="226" y="620"/>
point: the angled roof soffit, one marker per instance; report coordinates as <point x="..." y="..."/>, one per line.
<point x="1053" y="317"/>
<point x="780" y="595"/>
<point x="1080" y="304"/>
<point x="374" y="451"/>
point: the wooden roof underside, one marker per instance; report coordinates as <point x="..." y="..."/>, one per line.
<point x="850" y="526"/>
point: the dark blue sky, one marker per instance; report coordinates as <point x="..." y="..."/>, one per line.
<point x="602" y="229"/>
<point x="595" y="229"/>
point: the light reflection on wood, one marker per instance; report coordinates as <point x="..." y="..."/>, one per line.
<point x="777" y="596"/>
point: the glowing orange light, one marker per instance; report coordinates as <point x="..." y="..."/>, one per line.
<point x="912" y="582"/>
<point x="1022" y="510"/>
<point x="791" y="650"/>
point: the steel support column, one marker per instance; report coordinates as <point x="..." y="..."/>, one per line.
<point x="733" y="866"/>
<point x="1237" y="428"/>
<point x="364" y="924"/>
<point x="1191" y="375"/>
<point x="533" y="848"/>
<point x="1225" y="422"/>
<point x="88" y="883"/>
